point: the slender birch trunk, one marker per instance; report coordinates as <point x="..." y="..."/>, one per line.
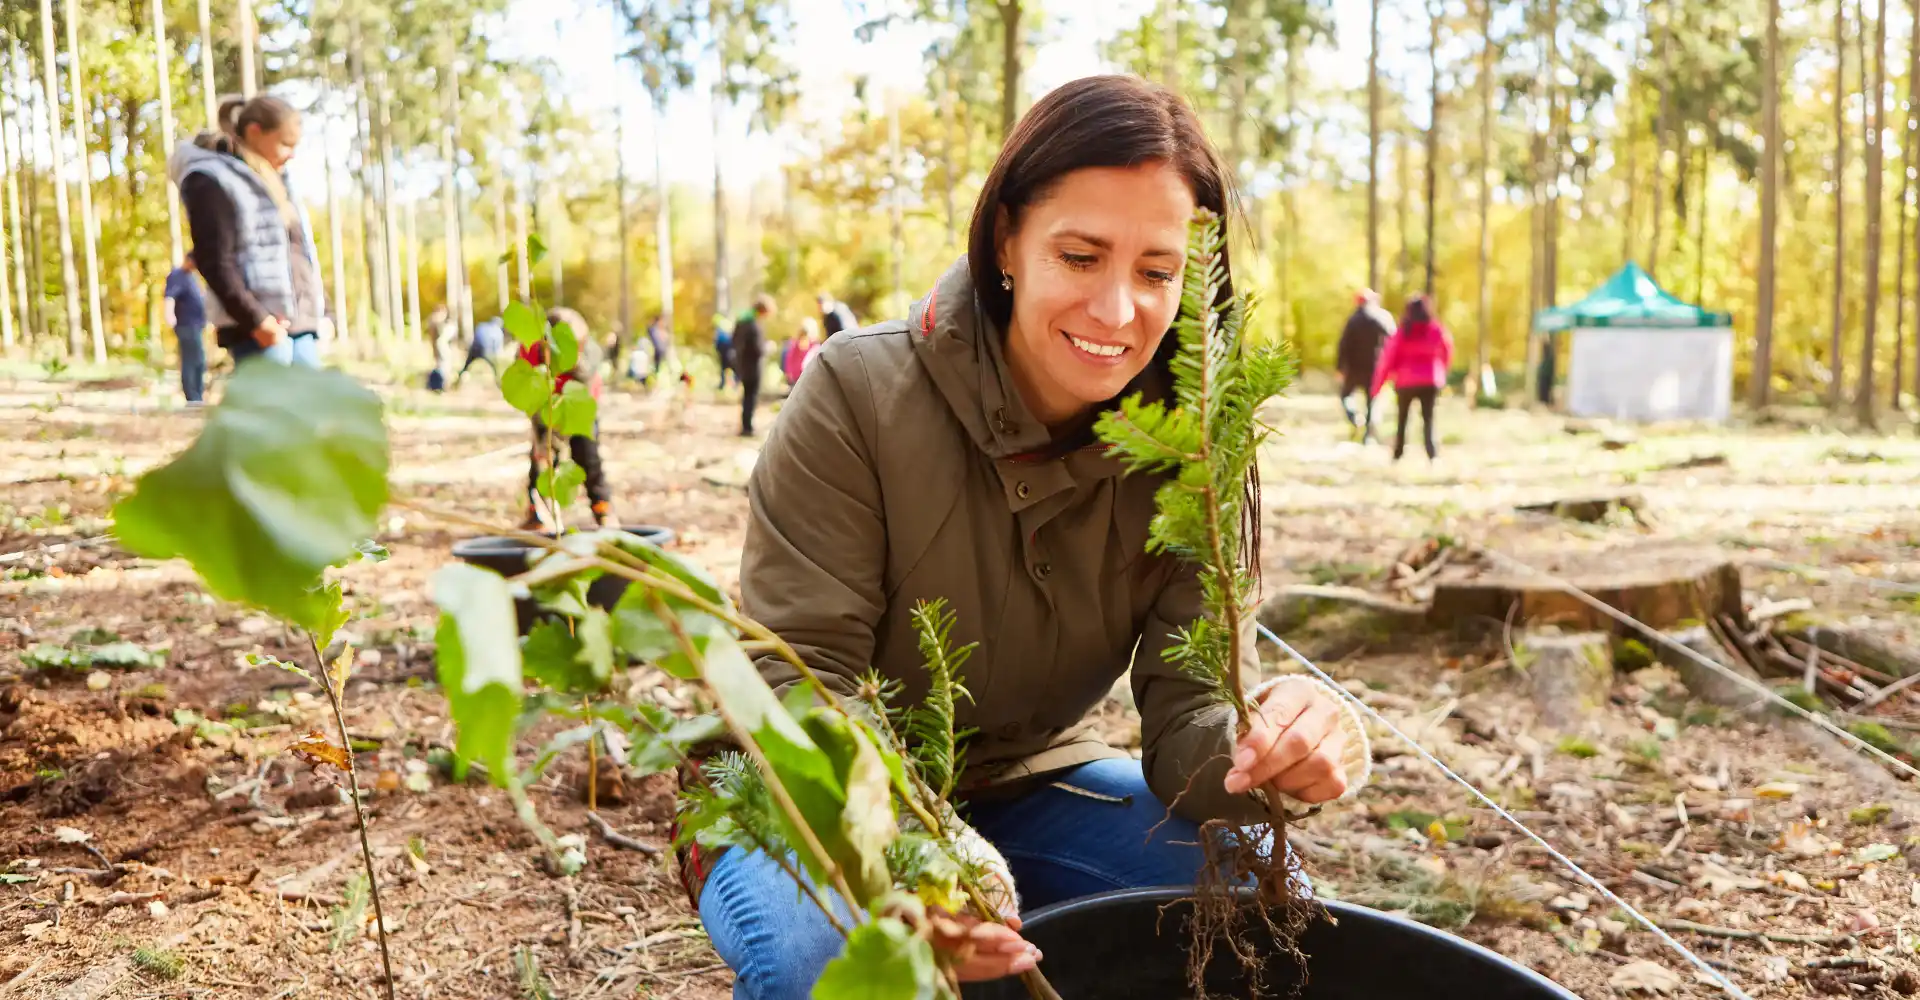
<point x="89" y="227"/>
<point x="70" y="277"/>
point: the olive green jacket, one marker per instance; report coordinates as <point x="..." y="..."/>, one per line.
<point x="906" y="468"/>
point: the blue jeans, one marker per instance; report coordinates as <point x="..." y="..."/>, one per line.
<point x="1061" y="845"/>
<point x="298" y="349"/>
<point x="193" y="362"/>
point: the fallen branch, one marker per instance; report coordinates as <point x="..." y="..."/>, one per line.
<point x="620" y="840"/>
<point x="1889" y="691"/>
<point x="120" y="899"/>
<point x="1709" y="930"/>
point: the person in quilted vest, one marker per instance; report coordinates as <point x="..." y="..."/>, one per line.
<point x="1415" y="360"/>
<point x="251" y="239"/>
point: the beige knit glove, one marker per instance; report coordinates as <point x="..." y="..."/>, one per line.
<point x="1356" y="757"/>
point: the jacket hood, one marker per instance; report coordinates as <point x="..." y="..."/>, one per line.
<point x="186" y="157"/>
<point x="961" y="350"/>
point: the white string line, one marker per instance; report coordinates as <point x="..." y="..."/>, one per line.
<point x="1706" y="661"/>
<point x="1716" y="975"/>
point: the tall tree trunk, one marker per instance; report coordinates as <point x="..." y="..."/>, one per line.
<point x="1010" y="60"/>
<point x="722" y="277"/>
<point x="1373" y="150"/>
<point x="450" y="199"/>
<point x="1630" y="123"/>
<point x="1482" y="340"/>
<point x="1836" y="359"/>
<point x="1661" y="125"/>
<point x="416" y="326"/>
<point x="1290" y="226"/>
<point x="1863" y="399"/>
<point x="1236" y="27"/>
<point x="626" y="341"/>
<point x="1433" y="137"/>
<point x="1761" y="377"/>
<point x="1900" y="274"/>
<point x="163" y="71"/>
<point x="89" y="228"/>
<point x="1555" y="143"/>
<point x="16" y="164"/>
<point x="1402" y="204"/>
<point x="1912" y="123"/>
<point x="31" y="134"/>
<point x="334" y="247"/>
<point x="1700" y="216"/>
<point x="390" y="228"/>
<point x="520" y="234"/>
<point x="249" y="32"/>
<point x="897" y="227"/>
<point x="503" y="273"/>
<point x="1170" y="44"/>
<point x="70" y="278"/>
<point x="209" y="91"/>
<point x="373" y="233"/>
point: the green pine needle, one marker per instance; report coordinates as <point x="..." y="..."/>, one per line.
<point x="1207" y="440"/>
<point x="936" y="741"/>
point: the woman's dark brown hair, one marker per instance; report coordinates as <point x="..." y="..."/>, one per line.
<point x="1103" y="121"/>
<point x="1095" y="121"/>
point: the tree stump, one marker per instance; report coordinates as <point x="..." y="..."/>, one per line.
<point x="1569" y="675"/>
<point x="1663" y="586"/>
<point x="1337" y="621"/>
<point x="1706" y="683"/>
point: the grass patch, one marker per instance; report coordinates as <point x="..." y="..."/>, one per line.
<point x="1631" y="654"/>
<point x="156" y="691"/>
<point x="158" y="962"/>
<point x="1870" y="815"/>
<point x="1800" y="696"/>
<point x="1877" y="736"/>
<point x="1705" y="715"/>
<point x="1575" y="746"/>
<point x="349" y="918"/>
<point x="533" y="985"/>
<point x="1644" y="752"/>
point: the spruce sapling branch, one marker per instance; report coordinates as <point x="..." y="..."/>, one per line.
<point x="937" y="743"/>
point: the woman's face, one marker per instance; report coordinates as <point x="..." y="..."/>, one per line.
<point x="278" y="145"/>
<point x="1097" y="268"/>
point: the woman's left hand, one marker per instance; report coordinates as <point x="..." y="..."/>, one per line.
<point x="1293" y="746"/>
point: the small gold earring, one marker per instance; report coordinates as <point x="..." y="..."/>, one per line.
<point x="1006" y="280"/>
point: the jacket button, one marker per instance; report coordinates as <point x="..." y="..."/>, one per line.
<point x="1022" y="490"/>
<point x="1043" y="570"/>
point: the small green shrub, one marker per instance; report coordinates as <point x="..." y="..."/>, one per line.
<point x="1877" y="736"/>
<point x="157" y="962"/>
<point x="1632" y="654"/>
<point x="1870" y="815"/>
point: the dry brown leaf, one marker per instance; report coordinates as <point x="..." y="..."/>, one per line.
<point x="1800" y="841"/>
<point x="1719" y="880"/>
<point x="340" y="671"/>
<point x="388" y="781"/>
<point x="314" y="749"/>
<point x="1645" y="977"/>
<point x="1777" y="790"/>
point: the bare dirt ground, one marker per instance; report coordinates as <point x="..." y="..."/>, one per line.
<point x="156" y="842"/>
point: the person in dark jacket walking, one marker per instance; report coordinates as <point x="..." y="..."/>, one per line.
<point x="1361" y="341"/>
<point x="835" y="317"/>
<point x="584" y="448"/>
<point x="749" y="347"/>
<point x="1416" y="360"/>
<point x="187" y="314"/>
<point x="251" y="239"/>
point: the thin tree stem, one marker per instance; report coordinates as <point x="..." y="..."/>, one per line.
<point x="359" y="809"/>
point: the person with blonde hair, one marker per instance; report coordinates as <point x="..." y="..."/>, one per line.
<point x="251" y="239"/>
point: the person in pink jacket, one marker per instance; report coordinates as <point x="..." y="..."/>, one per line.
<point x="1415" y="360"/>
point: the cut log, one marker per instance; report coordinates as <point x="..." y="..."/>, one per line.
<point x="1876" y="648"/>
<point x="1706" y="683"/>
<point x="1665" y="587"/>
<point x="1333" y="622"/>
<point x="1569" y="676"/>
<point x="1588" y="510"/>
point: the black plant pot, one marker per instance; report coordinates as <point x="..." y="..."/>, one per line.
<point x="509" y="557"/>
<point x="1120" y="946"/>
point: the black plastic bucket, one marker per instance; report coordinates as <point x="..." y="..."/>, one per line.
<point x="1121" y="946"/>
<point x="509" y="557"/>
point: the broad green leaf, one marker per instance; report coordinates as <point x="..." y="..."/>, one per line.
<point x="576" y="412"/>
<point x="680" y="569"/>
<point x="642" y="634"/>
<point x="561" y="481"/>
<point x="525" y="387"/>
<point x="662" y="749"/>
<point x="595" y="632"/>
<point x="479" y="665"/>
<point x="372" y="551"/>
<point x="883" y="960"/>
<point x="329" y="614"/>
<point x="566" y="348"/>
<point x="536" y="249"/>
<point x="285" y="480"/>
<point x="561" y="743"/>
<point x="869" y="819"/>
<point x="524" y="323"/>
<point x="551" y="656"/>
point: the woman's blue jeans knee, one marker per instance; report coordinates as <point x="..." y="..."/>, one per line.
<point x="1090" y="829"/>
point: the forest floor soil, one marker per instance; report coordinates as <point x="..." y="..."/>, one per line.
<point x="1748" y="824"/>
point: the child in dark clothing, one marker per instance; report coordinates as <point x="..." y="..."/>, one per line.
<point x="585" y="449"/>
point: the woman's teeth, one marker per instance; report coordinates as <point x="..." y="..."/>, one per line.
<point x="1098" y="350"/>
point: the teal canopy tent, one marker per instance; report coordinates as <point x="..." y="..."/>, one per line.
<point x="1639" y="353"/>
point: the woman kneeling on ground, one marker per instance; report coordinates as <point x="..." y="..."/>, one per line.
<point x="952" y="455"/>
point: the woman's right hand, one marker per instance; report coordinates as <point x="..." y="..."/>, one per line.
<point x="986" y="950"/>
<point x="270" y="332"/>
